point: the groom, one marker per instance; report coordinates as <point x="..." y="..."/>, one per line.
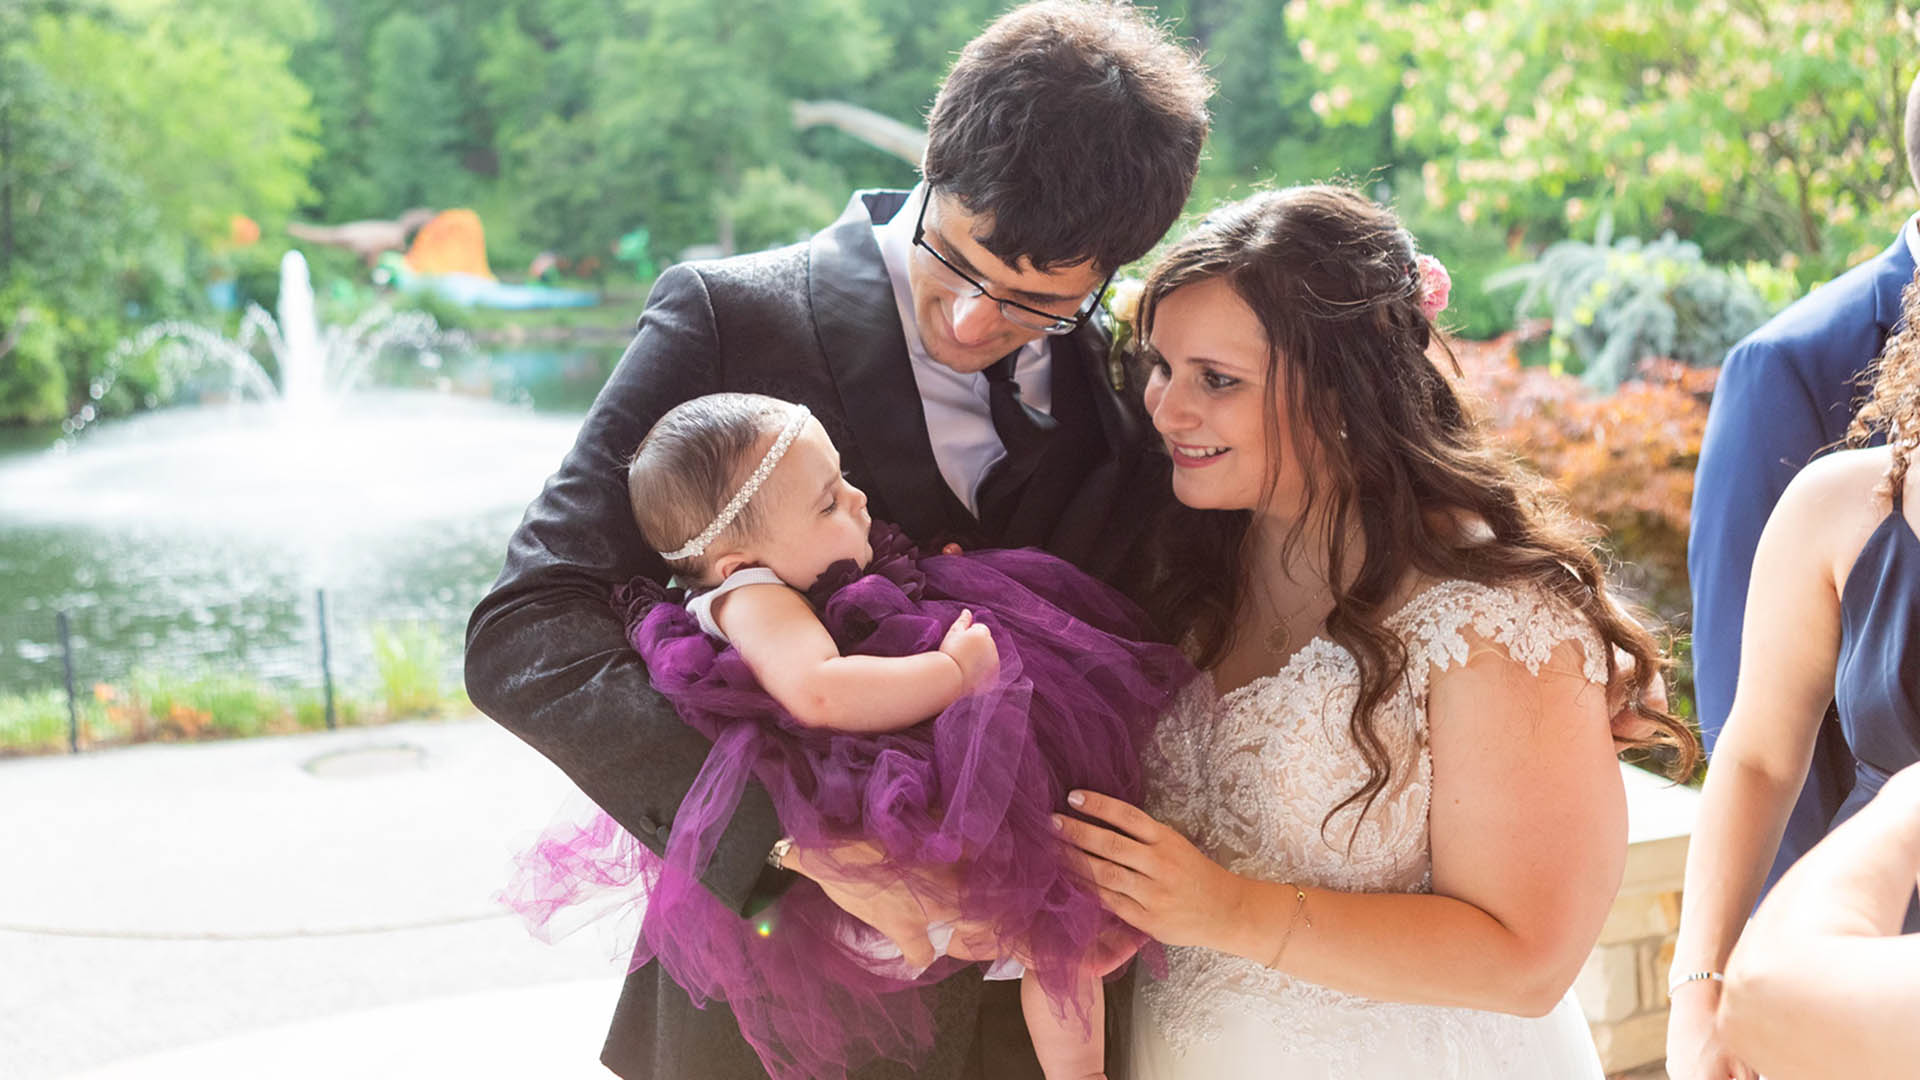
<point x="942" y="337"/>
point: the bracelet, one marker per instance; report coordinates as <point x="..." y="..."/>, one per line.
<point x="1299" y="914"/>
<point x="781" y="848"/>
<point x="1694" y="977"/>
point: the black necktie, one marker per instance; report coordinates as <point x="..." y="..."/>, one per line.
<point x="1024" y="431"/>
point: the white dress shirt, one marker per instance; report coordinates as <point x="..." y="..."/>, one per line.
<point x="965" y="444"/>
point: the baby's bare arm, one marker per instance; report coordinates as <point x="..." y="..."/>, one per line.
<point x="797" y="662"/>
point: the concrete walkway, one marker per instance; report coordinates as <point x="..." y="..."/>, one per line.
<point x="311" y="905"/>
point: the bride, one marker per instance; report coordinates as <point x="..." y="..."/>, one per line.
<point x="1382" y="841"/>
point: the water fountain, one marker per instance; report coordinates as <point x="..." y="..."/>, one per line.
<point x="206" y="526"/>
<point x="315" y="453"/>
<point x="317" y="370"/>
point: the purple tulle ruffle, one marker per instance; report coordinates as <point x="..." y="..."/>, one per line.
<point x="958" y="806"/>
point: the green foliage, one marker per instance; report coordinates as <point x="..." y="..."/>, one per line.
<point x="37" y="722"/>
<point x="33" y="384"/>
<point x="1617" y="303"/>
<point x="413" y="118"/>
<point x="135" y="130"/>
<point x="202" y="704"/>
<point x="72" y="214"/>
<point x="194" y="173"/>
<point x="116" y="183"/>
<point x="1767" y="132"/>
<point x="688" y="96"/>
<point x="209" y="702"/>
<point x="444" y="312"/>
<point x="770" y="209"/>
<point x="410" y="659"/>
<point x="1264" y="128"/>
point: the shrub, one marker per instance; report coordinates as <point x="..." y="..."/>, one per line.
<point x="33" y="385"/>
<point x="409" y="658"/>
<point x="1625" y="461"/>
<point x="163" y="705"/>
<point x="1615" y="303"/>
<point x="36" y="722"/>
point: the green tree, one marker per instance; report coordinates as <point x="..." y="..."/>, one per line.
<point x="1760" y="130"/>
<point x="155" y="83"/>
<point x="680" y="106"/>
<point x="414" y="118"/>
<point x="66" y="211"/>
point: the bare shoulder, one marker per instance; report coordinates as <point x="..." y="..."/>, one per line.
<point x="1833" y="505"/>
<point x="748" y="608"/>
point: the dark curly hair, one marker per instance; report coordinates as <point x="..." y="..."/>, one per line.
<point x="1332" y="278"/>
<point x="1892" y="408"/>
<point x="1075" y="126"/>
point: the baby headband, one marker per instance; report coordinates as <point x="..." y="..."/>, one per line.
<point x="778" y="450"/>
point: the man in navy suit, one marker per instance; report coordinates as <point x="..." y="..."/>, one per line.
<point x="1786" y="394"/>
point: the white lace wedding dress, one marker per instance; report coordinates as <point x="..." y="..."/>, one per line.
<point x="1250" y="777"/>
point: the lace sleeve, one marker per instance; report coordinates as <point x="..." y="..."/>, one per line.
<point x="1528" y="623"/>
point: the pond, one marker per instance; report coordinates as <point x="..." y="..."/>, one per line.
<point x="195" y="539"/>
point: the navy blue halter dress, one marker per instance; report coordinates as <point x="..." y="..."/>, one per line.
<point x="1877" y="682"/>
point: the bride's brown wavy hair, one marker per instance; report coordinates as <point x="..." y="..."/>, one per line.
<point x="1333" y="280"/>
<point x="1892" y="408"/>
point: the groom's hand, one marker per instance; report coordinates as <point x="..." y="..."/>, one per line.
<point x="892" y="909"/>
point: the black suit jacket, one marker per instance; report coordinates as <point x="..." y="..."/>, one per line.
<point x="813" y="323"/>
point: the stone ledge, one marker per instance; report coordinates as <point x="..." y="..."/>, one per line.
<point x="1621" y="988"/>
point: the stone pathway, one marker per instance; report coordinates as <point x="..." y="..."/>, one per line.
<point x="301" y="905"/>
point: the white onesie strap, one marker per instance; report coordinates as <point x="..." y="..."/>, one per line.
<point x="702" y="605"/>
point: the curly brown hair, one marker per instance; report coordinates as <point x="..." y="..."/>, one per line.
<point x="1332" y="277"/>
<point x="1892" y="408"/>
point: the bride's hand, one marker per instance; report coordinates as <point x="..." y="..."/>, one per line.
<point x="1150" y="875"/>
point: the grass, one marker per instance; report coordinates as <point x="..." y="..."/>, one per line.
<point x="37" y="722"/>
<point x="168" y="706"/>
<point x="409" y="659"/>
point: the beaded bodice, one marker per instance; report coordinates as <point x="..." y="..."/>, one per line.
<point x="1253" y="775"/>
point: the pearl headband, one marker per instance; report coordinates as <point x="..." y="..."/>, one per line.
<point x="778" y="450"/>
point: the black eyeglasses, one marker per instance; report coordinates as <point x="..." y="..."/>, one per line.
<point x="954" y="279"/>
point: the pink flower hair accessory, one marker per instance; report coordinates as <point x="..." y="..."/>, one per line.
<point x="1436" y="285"/>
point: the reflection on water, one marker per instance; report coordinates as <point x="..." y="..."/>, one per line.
<point x="195" y="537"/>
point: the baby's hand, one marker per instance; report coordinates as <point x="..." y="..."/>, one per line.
<point x="971" y="646"/>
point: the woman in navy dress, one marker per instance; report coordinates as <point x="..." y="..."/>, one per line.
<point x="1833" y="614"/>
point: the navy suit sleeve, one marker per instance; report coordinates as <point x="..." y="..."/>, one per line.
<point x="546" y="655"/>
<point x="1765" y="425"/>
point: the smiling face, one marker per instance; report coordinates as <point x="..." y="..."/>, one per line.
<point x="1210" y="397"/>
<point x="813" y="517"/>
<point x="961" y="328"/>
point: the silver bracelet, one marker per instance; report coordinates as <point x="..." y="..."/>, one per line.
<point x="779" y="853"/>
<point x="1694" y="977"/>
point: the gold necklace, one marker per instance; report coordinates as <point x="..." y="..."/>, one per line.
<point x="1278" y="640"/>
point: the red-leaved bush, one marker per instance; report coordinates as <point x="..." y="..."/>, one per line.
<point x="1624" y="460"/>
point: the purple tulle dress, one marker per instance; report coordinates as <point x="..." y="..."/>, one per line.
<point x="959" y="805"/>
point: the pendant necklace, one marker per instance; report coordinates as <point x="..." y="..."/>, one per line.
<point x="1278" y="639"/>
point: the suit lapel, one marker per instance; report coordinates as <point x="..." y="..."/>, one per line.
<point x="1893" y="277"/>
<point x="858" y="330"/>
